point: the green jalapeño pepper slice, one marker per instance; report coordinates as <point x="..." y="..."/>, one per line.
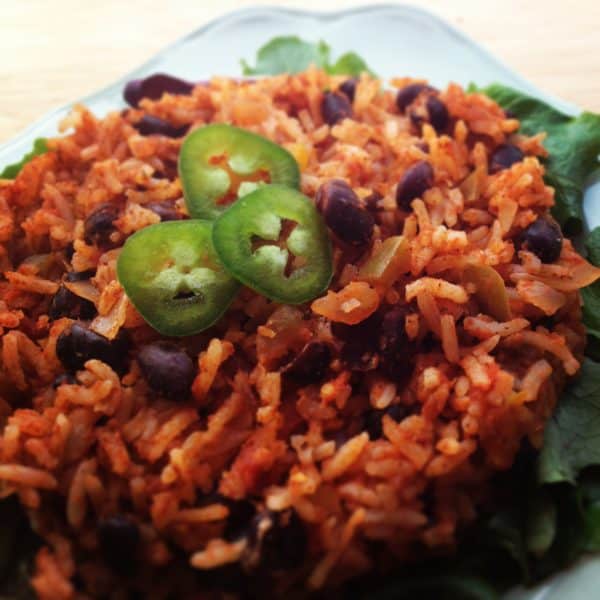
<point x="274" y="241"/>
<point x="172" y="275"/>
<point x="219" y="163"/>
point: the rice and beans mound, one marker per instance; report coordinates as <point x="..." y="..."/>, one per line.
<point x="287" y="445"/>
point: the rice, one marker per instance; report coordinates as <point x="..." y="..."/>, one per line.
<point x="424" y="392"/>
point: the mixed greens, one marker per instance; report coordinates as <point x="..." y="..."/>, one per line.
<point x="550" y="514"/>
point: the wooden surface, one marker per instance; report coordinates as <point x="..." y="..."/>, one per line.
<point x="55" y="51"/>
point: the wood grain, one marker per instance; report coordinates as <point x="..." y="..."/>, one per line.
<point x="57" y="51"/>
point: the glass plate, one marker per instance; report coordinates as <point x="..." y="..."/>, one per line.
<point x="394" y="40"/>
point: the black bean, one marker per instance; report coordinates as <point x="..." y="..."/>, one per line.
<point x="310" y="364"/>
<point x="417" y="117"/>
<point x="365" y="333"/>
<point x="76" y="345"/>
<point x="99" y="226"/>
<point x="504" y="157"/>
<point x="151" y="125"/>
<point x="65" y="378"/>
<point x="361" y="342"/>
<point x="408" y="94"/>
<point x="239" y="520"/>
<point x="165" y="210"/>
<point x="349" y="88"/>
<point x="396" y="350"/>
<point x="417" y="179"/>
<point x="544" y="238"/>
<point x="335" y="107"/>
<point x="280" y="538"/>
<point x="167" y="369"/>
<point x="154" y="87"/>
<point x="340" y="438"/>
<point x="224" y="581"/>
<point x="373" y="423"/>
<point x="438" y="113"/>
<point x="69" y="251"/>
<point x="80" y="275"/>
<point x="119" y="539"/>
<point x="343" y="213"/>
<point x="67" y="304"/>
<point x="372" y="201"/>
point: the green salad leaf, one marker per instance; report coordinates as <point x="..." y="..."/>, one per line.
<point x="40" y="146"/>
<point x="572" y="437"/>
<point x="591" y="298"/>
<point x="573" y="144"/>
<point x="290" y="54"/>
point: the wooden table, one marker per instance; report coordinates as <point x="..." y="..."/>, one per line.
<point x="55" y="51"/>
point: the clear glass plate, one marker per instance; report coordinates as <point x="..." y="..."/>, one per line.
<point x="394" y="40"/>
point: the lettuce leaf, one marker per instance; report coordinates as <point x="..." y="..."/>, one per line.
<point x="290" y="54"/>
<point x="40" y="146"/>
<point x="591" y="298"/>
<point x="573" y="144"/>
<point x="572" y="437"/>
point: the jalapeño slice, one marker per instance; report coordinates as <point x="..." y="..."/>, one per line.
<point x="274" y="241"/>
<point x="219" y="163"/>
<point x="172" y="275"/>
